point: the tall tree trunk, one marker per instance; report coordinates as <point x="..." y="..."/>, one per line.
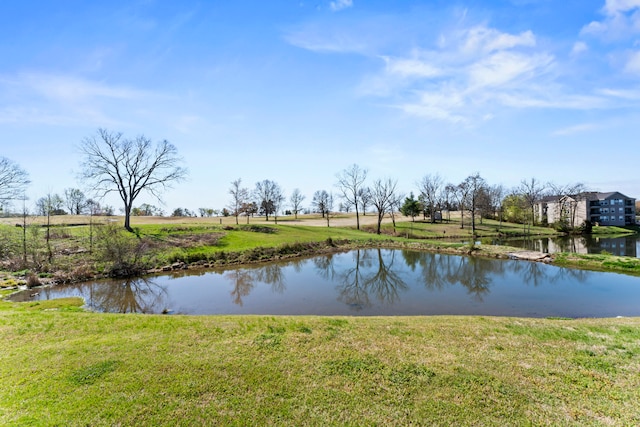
<point x="127" y="216"/>
<point x="357" y="217"/>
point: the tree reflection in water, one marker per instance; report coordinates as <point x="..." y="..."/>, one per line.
<point x="474" y="275"/>
<point x="244" y="279"/>
<point x="369" y="275"/>
<point x="242" y="284"/>
<point x="365" y="281"/>
<point x="439" y="271"/>
<point x="139" y="295"/>
<point x="385" y="282"/>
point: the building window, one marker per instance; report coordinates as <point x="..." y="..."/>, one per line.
<point x="621" y="218"/>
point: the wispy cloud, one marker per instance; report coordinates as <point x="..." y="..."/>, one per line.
<point x="621" y="20"/>
<point x="576" y="129"/>
<point x="633" y="63"/>
<point x="318" y="38"/>
<point x="60" y="99"/>
<point x="338" y="5"/>
<point x="579" y="48"/>
<point x="469" y="74"/>
<point x="463" y="72"/>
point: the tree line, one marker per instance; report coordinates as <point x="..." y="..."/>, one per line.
<point x="129" y="167"/>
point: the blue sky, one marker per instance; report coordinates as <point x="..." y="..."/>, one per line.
<point x="296" y="91"/>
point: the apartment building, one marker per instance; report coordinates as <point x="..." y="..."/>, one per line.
<point x="611" y="208"/>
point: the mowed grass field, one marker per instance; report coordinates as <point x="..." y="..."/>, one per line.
<point x="61" y="366"/>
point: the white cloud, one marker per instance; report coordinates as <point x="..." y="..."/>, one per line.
<point x="576" y="129"/>
<point x="467" y="77"/>
<point x="612" y="7"/>
<point x="633" y="64"/>
<point x="486" y="40"/>
<point x="439" y="105"/>
<point x="621" y="20"/>
<point x="410" y="67"/>
<point x="627" y="93"/>
<point x="473" y="73"/>
<point x="60" y="100"/>
<point x="319" y="39"/>
<point x="66" y="88"/>
<point x="578" y="48"/>
<point x="340" y="4"/>
<point x="505" y="67"/>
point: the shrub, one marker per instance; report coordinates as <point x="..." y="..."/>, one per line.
<point x="120" y="250"/>
<point x="586" y="227"/>
<point x="33" y="280"/>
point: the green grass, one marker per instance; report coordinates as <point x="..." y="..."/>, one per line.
<point x="60" y="366"/>
<point x="445" y="229"/>
<point x="599" y="262"/>
<point x="612" y="231"/>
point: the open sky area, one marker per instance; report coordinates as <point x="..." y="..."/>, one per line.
<point x="297" y="91"/>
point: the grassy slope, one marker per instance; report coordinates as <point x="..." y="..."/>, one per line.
<point x="63" y="367"/>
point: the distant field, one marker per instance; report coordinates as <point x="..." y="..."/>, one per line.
<point x="403" y="224"/>
<point x="313" y="219"/>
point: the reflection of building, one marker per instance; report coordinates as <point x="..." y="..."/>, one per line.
<point x="600" y="208"/>
<point x="621" y="246"/>
<point x="628" y="246"/>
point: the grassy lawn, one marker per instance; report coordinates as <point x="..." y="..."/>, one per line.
<point x="61" y="366"/>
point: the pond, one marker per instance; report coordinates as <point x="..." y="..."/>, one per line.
<point x="369" y="282"/>
<point x="628" y="245"/>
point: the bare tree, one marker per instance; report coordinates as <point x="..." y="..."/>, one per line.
<point x="75" y="200"/>
<point x="448" y="193"/>
<point x="51" y="204"/>
<point x="496" y="196"/>
<point x="475" y="186"/>
<point x="569" y="196"/>
<point x="350" y="182"/>
<point x="430" y="187"/>
<point x="13" y="180"/>
<point x="364" y="195"/>
<point x="383" y="197"/>
<point x="395" y="205"/>
<point x="296" y="200"/>
<point x="531" y="191"/>
<point x="239" y="197"/>
<point x="323" y="203"/>
<point x="460" y="194"/>
<point x="278" y="201"/>
<point x="269" y="197"/>
<point x="129" y="167"/>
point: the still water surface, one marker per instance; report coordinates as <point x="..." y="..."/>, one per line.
<point x="370" y="282"/>
<point x="628" y="245"/>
